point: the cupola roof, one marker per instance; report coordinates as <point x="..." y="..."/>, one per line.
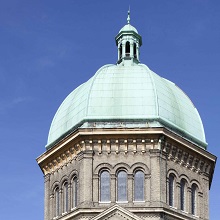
<point x="129" y="27"/>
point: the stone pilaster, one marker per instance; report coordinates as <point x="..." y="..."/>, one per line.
<point x="85" y="178"/>
<point x="47" y="197"/>
<point x="155" y="177"/>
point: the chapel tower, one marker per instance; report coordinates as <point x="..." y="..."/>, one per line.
<point x="127" y="144"/>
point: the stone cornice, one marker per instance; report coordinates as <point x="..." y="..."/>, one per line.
<point x="190" y="161"/>
<point x="107" y="141"/>
<point x="120" y="132"/>
<point x="98" y="146"/>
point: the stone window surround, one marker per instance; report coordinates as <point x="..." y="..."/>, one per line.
<point x="130" y="178"/>
<point x="188" y="193"/>
<point x="59" y="210"/>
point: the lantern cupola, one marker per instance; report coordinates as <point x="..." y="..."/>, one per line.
<point x="128" y="42"/>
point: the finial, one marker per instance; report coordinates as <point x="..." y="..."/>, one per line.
<point x="128" y="19"/>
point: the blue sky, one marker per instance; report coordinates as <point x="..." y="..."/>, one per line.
<point x="48" y="48"/>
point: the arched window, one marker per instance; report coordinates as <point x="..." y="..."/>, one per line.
<point x="127" y="49"/>
<point x="193" y="199"/>
<point x="65" y="197"/>
<point x="135" y="50"/>
<point x="139" y="186"/>
<point x="105" y="186"/>
<point x="120" y="51"/>
<point x="57" y="202"/>
<point x="122" y="186"/>
<point x="182" y="194"/>
<point x="171" y="190"/>
<point x="74" y="192"/>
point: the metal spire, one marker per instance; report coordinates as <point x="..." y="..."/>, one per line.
<point x="128" y="19"/>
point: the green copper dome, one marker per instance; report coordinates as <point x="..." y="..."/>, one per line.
<point x="127" y="94"/>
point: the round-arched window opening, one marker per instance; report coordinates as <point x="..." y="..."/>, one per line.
<point x="171" y="190"/>
<point x="122" y="186"/>
<point x="57" y="202"/>
<point x="182" y="194"/>
<point x="194" y="199"/>
<point x="139" y="186"/>
<point x="65" y="197"/>
<point x="127" y="49"/>
<point x="74" y="192"/>
<point x="120" y="51"/>
<point x="105" y="186"/>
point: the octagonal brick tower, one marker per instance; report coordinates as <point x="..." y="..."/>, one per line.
<point x="127" y="144"/>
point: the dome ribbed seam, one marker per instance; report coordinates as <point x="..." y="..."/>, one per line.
<point x="155" y="93"/>
<point x="90" y="89"/>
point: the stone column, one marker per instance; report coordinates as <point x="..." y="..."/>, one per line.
<point x="138" y="52"/>
<point x="190" y="200"/>
<point x="177" y="196"/>
<point x="69" y="197"/>
<point x="130" y="188"/>
<point x="118" y="51"/>
<point x="187" y="199"/>
<point x="123" y="49"/>
<point x="113" y="188"/>
<point x="132" y="49"/>
<point x="60" y="201"/>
